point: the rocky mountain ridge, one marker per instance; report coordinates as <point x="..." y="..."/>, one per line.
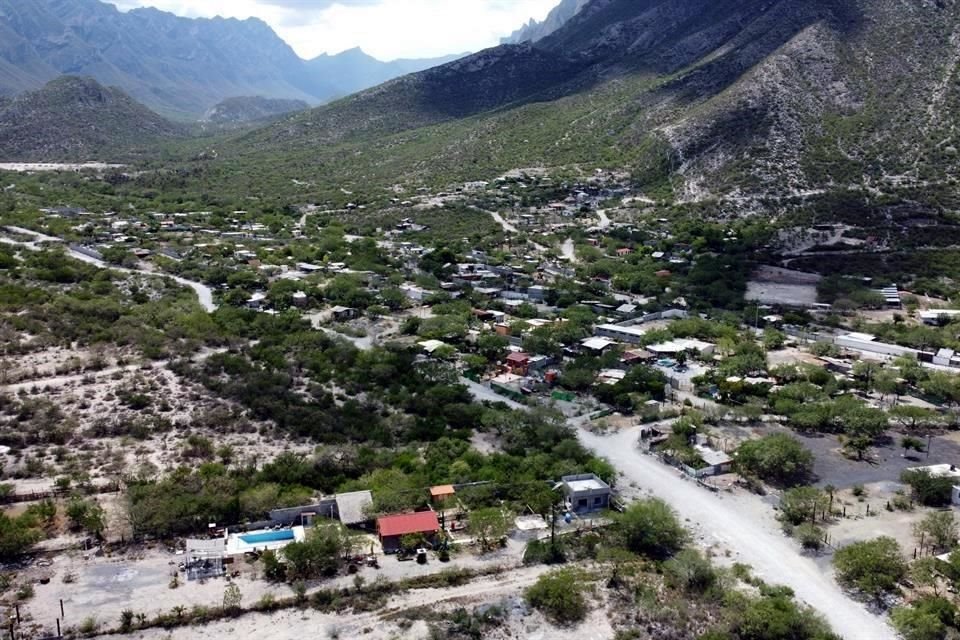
<point x="697" y="99"/>
<point x="558" y="16"/>
<point x="180" y="67"/>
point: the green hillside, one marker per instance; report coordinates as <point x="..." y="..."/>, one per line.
<point x="697" y="100"/>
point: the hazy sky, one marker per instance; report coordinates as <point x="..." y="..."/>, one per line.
<point x="385" y="29"/>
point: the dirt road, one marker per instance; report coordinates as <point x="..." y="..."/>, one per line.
<point x="568" y="250"/>
<point x="204" y="293"/>
<point x="746" y="526"/>
<point x="290" y="624"/>
<point x="507" y="227"/>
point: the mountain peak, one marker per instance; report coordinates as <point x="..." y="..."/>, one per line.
<point x="558" y="16"/>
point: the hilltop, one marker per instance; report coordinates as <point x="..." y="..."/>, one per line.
<point x="78" y="119"/>
<point x="249" y="108"/>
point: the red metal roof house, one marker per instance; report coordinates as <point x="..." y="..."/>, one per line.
<point x="391" y="529"/>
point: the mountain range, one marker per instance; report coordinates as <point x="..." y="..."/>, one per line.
<point x="179" y="67"/>
<point x="698" y="99"/>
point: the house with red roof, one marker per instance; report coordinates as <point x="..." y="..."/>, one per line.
<point x="518" y="363"/>
<point x="392" y="529"/>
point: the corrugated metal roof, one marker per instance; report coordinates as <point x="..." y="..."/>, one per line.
<point x="352" y="506"/>
<point x="407" y="523"/>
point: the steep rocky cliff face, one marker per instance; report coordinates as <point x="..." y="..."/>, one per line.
<point x="533" y="30"/>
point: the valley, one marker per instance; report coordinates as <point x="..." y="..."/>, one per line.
<point x="642" y="324"/>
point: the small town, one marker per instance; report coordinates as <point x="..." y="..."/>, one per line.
<point x="822" y="415"/>
<point x="480" y="320"/>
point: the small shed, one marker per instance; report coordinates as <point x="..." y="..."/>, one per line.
<point x="717" y="462"/>
<point x="585" y="492"/>
<point x="343" y="314"/>
<point x="392" y="529"/>
<point x="442" y="493"/>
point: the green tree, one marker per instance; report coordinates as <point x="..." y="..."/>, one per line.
<point x="803" y="504"/>
<point x="918" y="623"/>
<point x="928" y="489"/>
<point x="559" y="595"/>
<point x="320" y="554"/>
<point x="651" y="527"/>
<point x="232" y="598"/>
<point x="873" y="566"/>
<point x="489" y="526"/>
<point x="777" y="617"/>
<point x="938" y="529"/>
<point x="776" y="458"/>
<point x="908" y="443"/>
<point x="492" y="346"/>
<point x="925" y="572"/>
<point x="914" y="419"/>
<point x="691" y="571"/>
<point x="773" y="339"/>
<point x="17" y="535"/>
<point x="86" y="515"/>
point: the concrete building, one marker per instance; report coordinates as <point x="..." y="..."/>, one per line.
<point x="867" y="343"/>
<point x="682" y="345"/>
<point x="518" y="363"/>
<point x="585" y="493"/>
<point x="353" y="508"/>
<point x="718" y="462"/>
<point x="630" y="335"/>
<point x="343" y="314"/>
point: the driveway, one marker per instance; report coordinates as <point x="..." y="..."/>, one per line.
<point x="483" y="393"/>
<point x="746" y="526"/>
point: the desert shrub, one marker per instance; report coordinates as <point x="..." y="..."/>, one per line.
<point x="559" y="595"/>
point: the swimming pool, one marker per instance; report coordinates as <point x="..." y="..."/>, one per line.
<point x="269" y="536"/>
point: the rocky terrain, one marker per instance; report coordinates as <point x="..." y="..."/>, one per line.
<point x="78" y="118"/>
<point x="249" y="108"/>
<point x="700" y="99"/>
<point x="533" y="30"/>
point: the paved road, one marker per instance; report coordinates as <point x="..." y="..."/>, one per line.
<point x="745" y="525"/>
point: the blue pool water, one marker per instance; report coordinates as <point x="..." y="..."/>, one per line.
<point x="269" y="536"/>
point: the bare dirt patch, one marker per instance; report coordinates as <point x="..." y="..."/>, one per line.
<point x="774" y="285"/>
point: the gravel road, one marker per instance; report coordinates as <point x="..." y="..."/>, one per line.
<point x="744" y="524"/>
